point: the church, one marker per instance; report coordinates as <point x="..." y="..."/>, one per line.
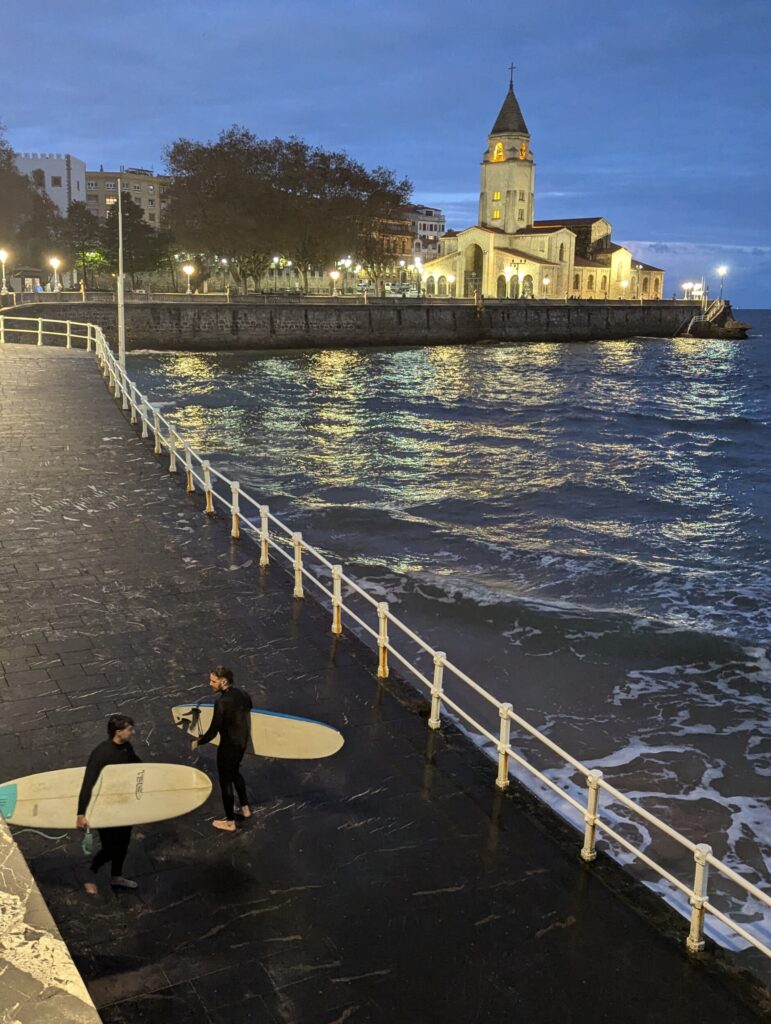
<point x="510" y="255"/>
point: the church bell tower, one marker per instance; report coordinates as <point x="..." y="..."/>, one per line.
<point x="507" y="192"/>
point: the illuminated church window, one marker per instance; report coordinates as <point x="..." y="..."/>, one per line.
<point x="496" y="196"/>
<point x="496" y="214"/>
<point x="498" y="152"/>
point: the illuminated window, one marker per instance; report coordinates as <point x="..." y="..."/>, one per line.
<point x="496" y="196"/>
<point x="498" y="153"/>
<point x="496" y="214"/>
<point x="111" y="200"/>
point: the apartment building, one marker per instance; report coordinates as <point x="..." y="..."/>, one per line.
<point x="149" y="191"/>
<point x="427" y="225"/>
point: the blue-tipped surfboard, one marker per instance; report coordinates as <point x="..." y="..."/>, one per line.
<point x="272" y="733"/>
<point x="124" y="794"/>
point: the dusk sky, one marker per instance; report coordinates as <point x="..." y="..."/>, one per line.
<point x="654" y="115"/>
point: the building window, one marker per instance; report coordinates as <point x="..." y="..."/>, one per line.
<point x="163" y="204"/>
<point x="137" y="188"/>
<point x="496" y="197"/>
<point x="111" y="200"/>
<point x="91" y="185"/>
<point x="604" y="283"/>
<point x="562" y="252"/>
<point x="590" y="283"/>
<point x="124" y="186"/>
<point x="496" y="214"/>
<point x="498" y="156"/>
<point x="521" y="196"/>
<point x="56" y="181"/>
<point x="645" y="285"/>
<point x="520" y="214"/>
<point x="151" y="216"/>
<point x="576" y="283"/>
<point x="38" y="178"/>
<point x="111" y="186"/>
<point x="151" y="203"/>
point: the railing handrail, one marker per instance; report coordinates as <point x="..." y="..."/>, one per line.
<point x="153" y="421"/>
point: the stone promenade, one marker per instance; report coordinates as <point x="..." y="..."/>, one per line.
<point x="390" y="883"/>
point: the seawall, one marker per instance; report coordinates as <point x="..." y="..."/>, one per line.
<point x="232" y="326"/>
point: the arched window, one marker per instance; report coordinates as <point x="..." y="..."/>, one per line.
<point x="501" y="286"/>
<point x="441" y="288"/>
<point x="657" y="286"/>
<point x="604" y="283"/>
<point x="577" y="283"/>
<point x="430" y="286"/>
<point x="527" y="286"/>
<point x="562" y="252"/>
<point x="646" y="285"/>
<point x="498" y="155"/>
<point x="590" y="283"/>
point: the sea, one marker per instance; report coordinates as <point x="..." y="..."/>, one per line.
<point x="585" y="529"/>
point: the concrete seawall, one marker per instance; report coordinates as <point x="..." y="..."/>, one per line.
<point x="228" y="326"/>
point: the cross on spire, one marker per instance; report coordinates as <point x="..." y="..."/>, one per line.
<point x="512" y="69"/>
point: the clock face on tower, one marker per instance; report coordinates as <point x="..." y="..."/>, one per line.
<point x="498" y="154"/>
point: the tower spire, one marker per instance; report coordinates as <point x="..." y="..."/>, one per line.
<point x="512" y="69"/>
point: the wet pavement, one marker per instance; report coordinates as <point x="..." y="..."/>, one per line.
<point x="391" y="882"/>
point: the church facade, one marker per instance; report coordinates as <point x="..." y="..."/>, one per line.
<point x="510" y="254"/>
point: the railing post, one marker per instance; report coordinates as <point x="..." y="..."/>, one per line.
<point x="40" y="332"/>
<point x="264" y="535"/>
<point x="69" y="334"/>
<point x="588" y="851"/>
<point x="382" y="640"/>
<point x="88" y="337"/>
<point x="145" y="418"/>
<point x="337" y="600"/>
<point x="124" y="392"/>
<point x="297" y="540"/>
<point x="502" y="782"/>
<point x="435" y="718"/>
<point x="235" y="523"/>
<point x="2" y="330"/>
<point x="189" y="470"/>
<point x="695" y="940"/>
<point x="133" y="403"/>
<point x="157" y="431"/>
<point x="172" y="451"/>
<point x="209" y="510"/>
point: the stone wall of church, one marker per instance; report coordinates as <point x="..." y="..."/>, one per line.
<point x="222" y="327"/>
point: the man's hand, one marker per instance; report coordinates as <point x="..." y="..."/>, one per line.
<point x="194" y="744"/>
<point x="81" y="821"/>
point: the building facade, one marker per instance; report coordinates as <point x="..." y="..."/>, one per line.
<point x="510" y="254"/>
<point x="427" y="225"/>
<point x="61" y="176"/>
<point x="149" y="191"/>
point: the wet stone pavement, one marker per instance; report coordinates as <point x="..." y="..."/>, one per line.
<point x="391" y="882"/>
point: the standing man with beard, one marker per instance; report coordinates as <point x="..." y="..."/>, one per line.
<point x="232" y="722"/>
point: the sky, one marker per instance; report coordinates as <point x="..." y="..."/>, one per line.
<point x="656" y="116"/>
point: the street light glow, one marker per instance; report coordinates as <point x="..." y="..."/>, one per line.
<point x="55" y="262"/>
<point x="722" y="271"/>
<point x="188" y="269"/>
<point x="3" y="258"/>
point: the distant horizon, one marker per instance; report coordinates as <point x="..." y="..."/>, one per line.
<point x="632" y="120"/>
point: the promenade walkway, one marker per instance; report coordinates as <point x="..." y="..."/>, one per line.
<point x="391" y="883"/>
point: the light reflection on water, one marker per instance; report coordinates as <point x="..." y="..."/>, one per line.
<point x="586" y="527"/>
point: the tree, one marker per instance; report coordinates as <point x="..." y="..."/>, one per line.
<point x="27" y="217"/>
<point x="81" y="234"/>
<point x="144" y="248"/>
<point x="249" y="199"/>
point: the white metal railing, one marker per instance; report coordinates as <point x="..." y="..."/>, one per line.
<point x="274" y="536"/>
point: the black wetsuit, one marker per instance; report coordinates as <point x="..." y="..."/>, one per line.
<point x="232" y="722"/>
<point x="115" y="841"/>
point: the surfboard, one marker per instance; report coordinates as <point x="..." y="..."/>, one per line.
<point x="272" y="734"/>
<point x="124" y="794"/>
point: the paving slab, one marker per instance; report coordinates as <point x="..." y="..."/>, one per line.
<point x="391" y="882"/>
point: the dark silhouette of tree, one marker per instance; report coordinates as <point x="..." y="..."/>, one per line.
<point x="81" y="235"/>
<point x="144" y="248"/>
<point x="28" y="218"/>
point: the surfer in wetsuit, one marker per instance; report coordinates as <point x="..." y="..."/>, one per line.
<point x="232" y="721"/>
<point x="115" y="841"/>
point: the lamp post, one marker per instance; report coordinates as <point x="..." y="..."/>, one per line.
<point x="722" y="271"/>
<point x="335" y="276"/>
<point x="419" y="274"/>
<point x="188" y="270"/>
<point x="546" y="283"/>
<point x="624" y="286"/>
<point x="275" y="272"/>
<point x="450" y="283"/>
<point x="3" y="258"/>
<point x="55" y="263"/>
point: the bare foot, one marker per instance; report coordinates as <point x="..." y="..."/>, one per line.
<point x="123" y="883"/>
<point x="91" y="888"/>
<point x="245" y="811"/>
<point x="225" y="825"/>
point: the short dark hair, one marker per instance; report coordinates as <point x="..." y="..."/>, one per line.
<point x="117" y="722"/>
<point x="223" y="673"/>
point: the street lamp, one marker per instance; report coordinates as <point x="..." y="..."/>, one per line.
<point x="275" y="272"/>
<point x="687" y="287"/>
<point x="722" y="271"/>
<point x="624" y="286"/>
<point x="3" y="258"/>
<point x="546" y="283"/>
<point x="188" y="269"/>
<point x="55" y="263"/>
<point x="335" y="275"/>
<point x="450" y="283"/>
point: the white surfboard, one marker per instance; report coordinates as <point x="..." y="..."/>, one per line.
<point x="124" y="794"/>
<point x="272" y="734"/>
